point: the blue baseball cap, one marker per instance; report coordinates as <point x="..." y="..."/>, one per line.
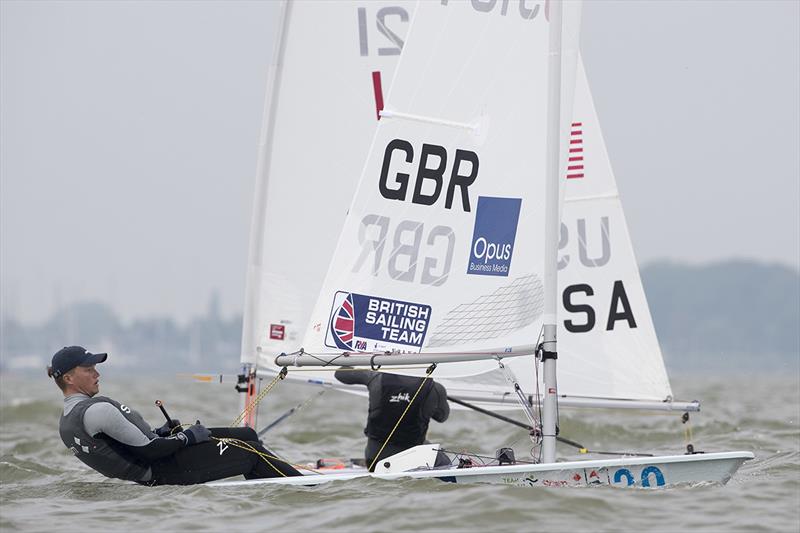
<point x="69" y="357"/>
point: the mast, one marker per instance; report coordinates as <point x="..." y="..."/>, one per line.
<point x="250" y="326"/>
<point x="549" y="349"/>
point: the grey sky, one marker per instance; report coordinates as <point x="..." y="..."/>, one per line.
<point x="129" y="132"/>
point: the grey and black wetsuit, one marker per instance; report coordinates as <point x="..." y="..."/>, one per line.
<point x="115" y="440"/>
<point x="389" y="395"/>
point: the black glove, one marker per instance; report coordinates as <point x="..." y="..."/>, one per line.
<point x="166" y="429"/>
<point x="195" y="434"/>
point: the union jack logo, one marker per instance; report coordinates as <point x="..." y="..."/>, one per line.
<point x="342" y="324"/>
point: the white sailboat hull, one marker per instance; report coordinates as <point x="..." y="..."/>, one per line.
<point x="636" y="472"/>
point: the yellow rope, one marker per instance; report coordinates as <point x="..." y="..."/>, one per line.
<point x="265" y="456"/>
<point x="424" y="380"/>
<point x="247" y="446"/>
<point x="249" y="407"/>
<point x="687" y="432"/>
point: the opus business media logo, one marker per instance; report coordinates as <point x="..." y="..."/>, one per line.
<point x="493" y="237"/>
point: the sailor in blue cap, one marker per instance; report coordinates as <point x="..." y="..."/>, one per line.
<point x="116" y="441"/>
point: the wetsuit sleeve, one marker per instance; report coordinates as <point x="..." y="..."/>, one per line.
<point x="354" y="377"/>
<point x="441" y="408"/>
<point x="104" y="418"/>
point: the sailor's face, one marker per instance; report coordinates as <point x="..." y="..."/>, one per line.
<point x="85" y="379"/>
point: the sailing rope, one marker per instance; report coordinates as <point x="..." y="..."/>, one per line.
<point x="252" y="405"/>
<point x="538" y="361"/>
<point x="248" y="447"/>
<point x="687" y="432"/>
<point x="354" y="369"/>
<point x="265" y="456"/>
<point x="424" y="380"/>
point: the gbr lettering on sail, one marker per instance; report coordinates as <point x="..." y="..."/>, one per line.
<point x="418" y="254"/>
<point x="408" y="251"/>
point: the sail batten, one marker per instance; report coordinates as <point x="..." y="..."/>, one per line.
<point x="592" y="198"/>
<point x="386" y="113"/>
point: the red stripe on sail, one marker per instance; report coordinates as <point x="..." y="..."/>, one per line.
<point x="576" y="138"/>
<point x="376" y="88"/>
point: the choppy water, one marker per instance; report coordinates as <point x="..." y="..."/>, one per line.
<point x="43" y="487"/>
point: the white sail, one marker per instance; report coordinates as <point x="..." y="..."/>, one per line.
<point x="618" y="363"/>
<point x="442" y="244"/>
<point x="442" y="247"/>
<point x="319" y="120"/>
<point x="607" y="343"/>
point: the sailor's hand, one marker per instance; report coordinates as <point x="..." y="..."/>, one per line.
<point x="196" y="434"/>
<point x="166" y="429"/>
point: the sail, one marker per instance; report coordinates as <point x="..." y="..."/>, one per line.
<point x="623" y="362"/>
<point x="607" y="343"/>
<point x="442" y="245"/>
<point x="320" y="114"/>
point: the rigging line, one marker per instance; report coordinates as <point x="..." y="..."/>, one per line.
<point x="535" y="434"/>
<point x="511" y="445"/>
<point x="348" y="368"/>
<point x="500" y="351"/>
<point x="623" y="454"/>
<point x="490" y="413"/>
<point x="581" y="447"/>
<point x="520" y="395"/>
<point x="249" y="407"/>
<point x="244" y="445"/>
<point x="291" y="411"/>
<point x="536" y="362"/>
<point x="470" y="454"/>
<point x="687" y="432"/>
<point x="323" y="361"/>
<point x="424" y="380"/>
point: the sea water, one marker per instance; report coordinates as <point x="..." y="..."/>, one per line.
<point x="44" y="488"/>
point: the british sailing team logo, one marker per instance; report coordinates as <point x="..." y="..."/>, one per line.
<point x="367" y="323"/>
<point x="342" y="324"/>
